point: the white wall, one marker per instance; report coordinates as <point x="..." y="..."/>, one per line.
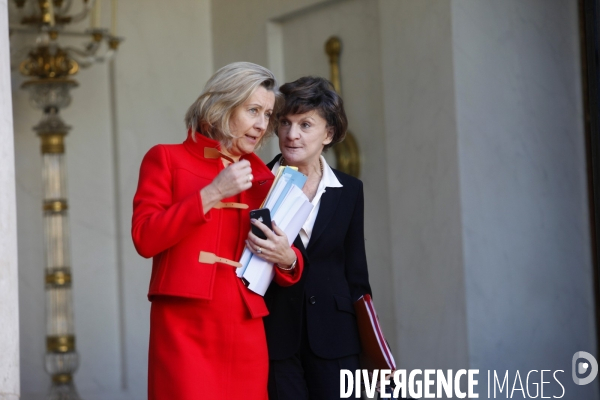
<point x="421" y="158"/>
<point x="486" y="156"/>
<point x="9" y="311"/>
<point x="526" y="241"/>
<point x="159" y="71"/>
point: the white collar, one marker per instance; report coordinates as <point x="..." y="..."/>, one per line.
<point x="327" y="180"/>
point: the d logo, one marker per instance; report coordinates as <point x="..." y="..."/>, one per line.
<point x="583" y="367"/>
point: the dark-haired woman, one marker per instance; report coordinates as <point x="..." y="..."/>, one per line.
<point x="311" y="329"/>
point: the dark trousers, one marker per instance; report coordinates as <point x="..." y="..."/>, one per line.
<point x="306" y="376"/>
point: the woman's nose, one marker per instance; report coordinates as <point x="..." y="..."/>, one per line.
<point x="262" y="123"/>
<point x="293" y="132"/>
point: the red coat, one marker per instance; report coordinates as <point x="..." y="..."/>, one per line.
<point x="170" y="225"/>
<point x="206" y="338"/>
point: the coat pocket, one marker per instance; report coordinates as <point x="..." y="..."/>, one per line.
<point x="344" y="304"/>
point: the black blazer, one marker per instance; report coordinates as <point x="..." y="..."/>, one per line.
<point x="335" y="275"/>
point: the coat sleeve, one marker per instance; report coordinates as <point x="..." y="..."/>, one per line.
<point x="157" y="222"/>
<point x="283" y="279"/>
<point x="357" y="274"/>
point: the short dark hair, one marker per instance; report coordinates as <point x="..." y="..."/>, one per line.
<point x="314" y="93"/>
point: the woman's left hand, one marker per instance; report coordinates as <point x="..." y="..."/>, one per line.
<point x="275" y="248"/>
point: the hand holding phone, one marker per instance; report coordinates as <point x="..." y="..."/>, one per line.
<point x="263" y="215"/>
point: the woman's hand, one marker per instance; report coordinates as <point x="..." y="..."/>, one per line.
<point x="234" y="179"/>
<point x="275" y="248"/>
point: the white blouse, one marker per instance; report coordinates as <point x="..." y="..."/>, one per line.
<point x="327" y="180"/>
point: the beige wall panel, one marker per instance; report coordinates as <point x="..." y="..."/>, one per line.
<point x="356" y="23"/>
<point x="289" y="38"/>
<point x="117" y="114"/>
<point x="423" y="181"/>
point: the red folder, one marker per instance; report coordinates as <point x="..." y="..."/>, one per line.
<point x="376" y="353"/>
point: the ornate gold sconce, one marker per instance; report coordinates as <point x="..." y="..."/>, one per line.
<point x="346" y="152"/>
<point x="51" y="67"/>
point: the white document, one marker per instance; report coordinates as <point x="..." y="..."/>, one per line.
<point x="277" y="191"/>
<point x="299" y="219"/>
<point x="290" y="206"/>
<point x="292" y="212"/>
<point x="275" y="194"/>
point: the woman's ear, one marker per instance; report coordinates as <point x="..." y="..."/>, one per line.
<point x="329" y="138"/>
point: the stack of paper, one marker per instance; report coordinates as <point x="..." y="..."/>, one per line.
<point x="289" y="208"/>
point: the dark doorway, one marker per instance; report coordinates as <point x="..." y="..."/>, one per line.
<point x="589" y="22"/>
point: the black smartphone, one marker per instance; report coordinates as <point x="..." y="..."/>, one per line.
<point x="263" y="215"/>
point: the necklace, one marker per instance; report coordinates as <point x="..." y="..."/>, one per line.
<point x="284" y="163"/>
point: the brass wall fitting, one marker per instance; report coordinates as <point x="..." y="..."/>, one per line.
<point x="60" y="344"/>
<point x="58" y="277"/>
<point x="55" y="206"/>
<point x="53" y="143"/>
<point x="62" y="379"/>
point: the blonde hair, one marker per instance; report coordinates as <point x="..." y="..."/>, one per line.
<point x="227" y="89"/>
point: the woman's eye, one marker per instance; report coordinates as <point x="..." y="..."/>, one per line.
<point x="268" y="115"/>
<point x="283" y="122"/>
<point x="306" y="125"/>
<point x="253" y="110"/>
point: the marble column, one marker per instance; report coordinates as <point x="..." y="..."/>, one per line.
<point x="9" y="304"/>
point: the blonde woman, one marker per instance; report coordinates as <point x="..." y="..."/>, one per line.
<point x="207" y="338"/>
